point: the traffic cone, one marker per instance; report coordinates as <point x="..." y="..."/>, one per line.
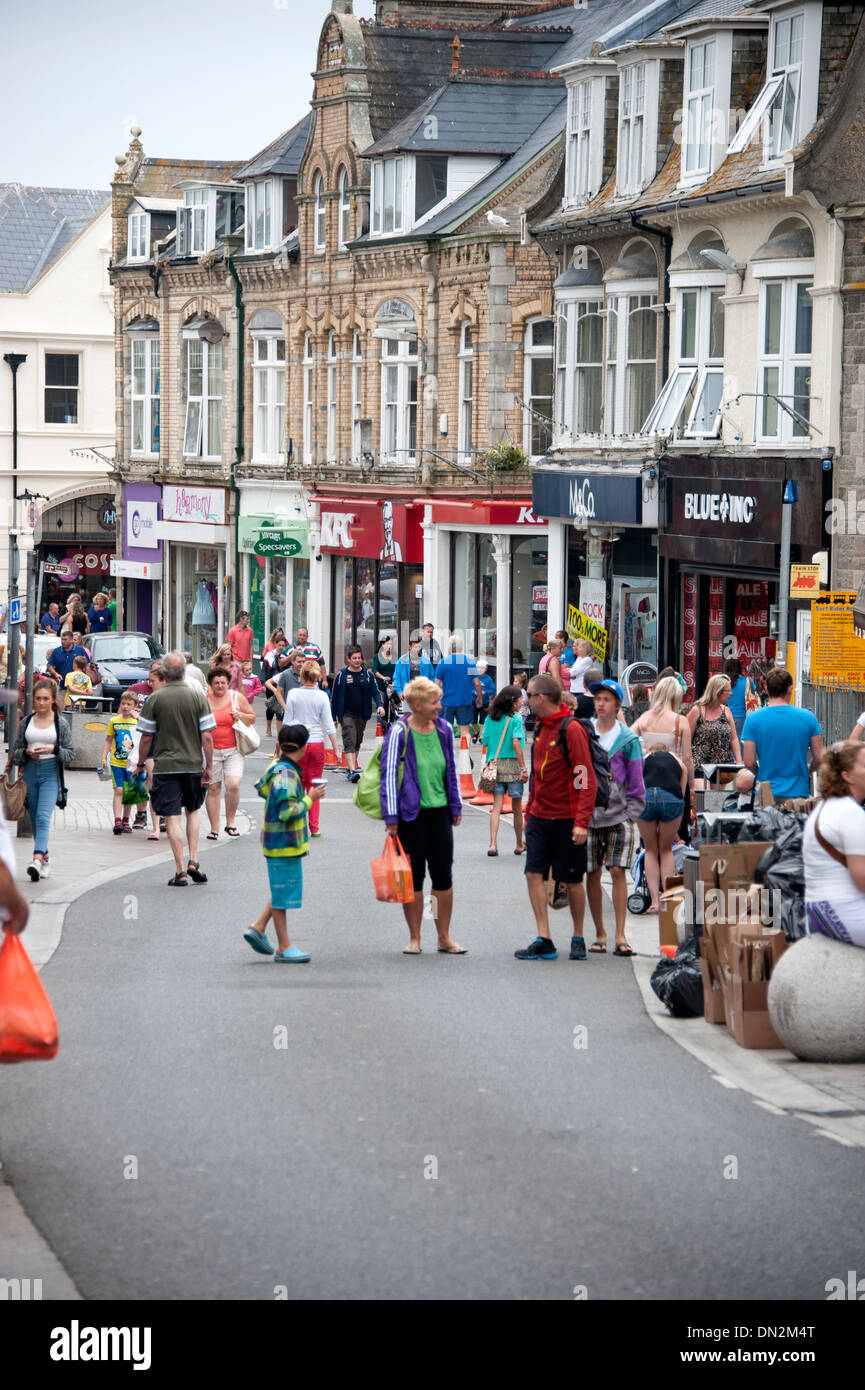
<point x="342" y="762"/>
<point x="507" y="806"/>
<point x="482" y="799"/>
<point x="379" y="733"/>
<point x="330" y="758"/>
<point x="464" y="768"/>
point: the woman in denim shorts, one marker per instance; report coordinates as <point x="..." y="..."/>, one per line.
<point x="503" y="726"/>
<point x="665" y="777"/>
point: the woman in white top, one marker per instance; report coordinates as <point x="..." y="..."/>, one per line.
<point x="585" y="660"/>
<point x="833" y="848"/>
<point x="309" y="705"/>
<point x="662" y="723"/>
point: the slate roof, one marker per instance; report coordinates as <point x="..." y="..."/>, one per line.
<point x="159" y="178"/>
<point x="282" y="155"/>
<point x="406" y="64"/>
<point x="480" y="117"/>
<point x="37" y="225"/>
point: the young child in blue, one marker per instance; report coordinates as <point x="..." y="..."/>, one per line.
<point x="284" y="841"/>
<point x="488" y="690"/>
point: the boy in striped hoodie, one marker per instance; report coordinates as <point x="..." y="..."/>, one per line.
<point x="284" y="841"/>
<point x="612" y="835"/>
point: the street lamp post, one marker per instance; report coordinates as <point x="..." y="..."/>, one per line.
<point x="14" y="360"/>
<point x="791" y="496"/>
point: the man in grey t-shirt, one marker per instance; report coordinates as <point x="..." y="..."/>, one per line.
<point x="176" y="724"/>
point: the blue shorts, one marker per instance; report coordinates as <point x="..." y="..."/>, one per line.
<point x="513" y="789"/>
<point x="662" y="806"/>
<point x="285" y="874"/>
<point x="121" y="775"/>
<point x="463" y="714"/>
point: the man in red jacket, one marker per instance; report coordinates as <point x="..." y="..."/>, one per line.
<point x="561" y="800"/>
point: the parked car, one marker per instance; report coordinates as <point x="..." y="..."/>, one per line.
<point x="123" y="659"/>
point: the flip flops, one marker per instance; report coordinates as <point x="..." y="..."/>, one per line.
<point x="231" y="830"/>
<point x="623" y="949"/>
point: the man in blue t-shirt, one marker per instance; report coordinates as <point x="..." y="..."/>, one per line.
<point x="457" y="675"/>
<point x="778" y="739"/>
<point x="50" y="620"/>
<point x="61" y="660"/>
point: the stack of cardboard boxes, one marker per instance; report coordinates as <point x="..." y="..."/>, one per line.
<point x="739" y="947"/>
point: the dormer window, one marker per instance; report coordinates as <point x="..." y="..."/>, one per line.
<point x="786" y="108"/>
<point x="387" y="196"/>
<point x="699" y="102"/>
<point x="259" y="215"/>
<point x="584" y="155"/>
<point x="195" y="203"/>
<point x="138" y="237"/>
<point x="632" y="119"/>
<point x="207" y="215"/>
<point x="430" y="183"/>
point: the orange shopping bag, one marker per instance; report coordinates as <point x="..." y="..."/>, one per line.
<point x="28" y="1028"/>
<point x="392" y="874"/>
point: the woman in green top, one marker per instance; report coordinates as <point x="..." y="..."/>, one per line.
<point x="383" y="667"/>
<point x="503" y="739"/>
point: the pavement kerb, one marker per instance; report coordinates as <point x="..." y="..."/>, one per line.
<point x="754" y="1070"/>
<point x="24" y="1253"/>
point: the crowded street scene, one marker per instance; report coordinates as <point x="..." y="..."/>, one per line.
<point x="433" y="531"/>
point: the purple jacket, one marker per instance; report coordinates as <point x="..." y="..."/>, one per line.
<point x="403" y="802"/>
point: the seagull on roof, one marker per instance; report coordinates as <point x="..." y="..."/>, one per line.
<point x="496" y="221"/>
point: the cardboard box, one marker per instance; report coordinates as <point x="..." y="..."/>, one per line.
<point x="764" y="794"/>
<point x="671" y="918"/>
<point x="740" y="860"/>
<point x="748" y="1013"/>
<point x="713" y="992"/>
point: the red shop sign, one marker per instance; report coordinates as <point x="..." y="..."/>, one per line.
<point x="96" y="562"/>
<point x="374" y="530"/>
<point x="487" y="513"/>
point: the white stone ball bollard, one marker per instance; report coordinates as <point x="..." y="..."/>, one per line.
<point x="817" y="1000"/>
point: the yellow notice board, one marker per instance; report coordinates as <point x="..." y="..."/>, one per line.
<point x="581" y="626"/>
<point x="836" y="652"/>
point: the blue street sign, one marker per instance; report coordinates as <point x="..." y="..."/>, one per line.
<point x="14" y="611"/>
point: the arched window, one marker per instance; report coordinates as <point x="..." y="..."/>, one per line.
<point x="399" y="364"/>
<point x="690" y="400"/>
<point x="466" y="388"/>
<point x="320" y="214"/>
<point x="579" y="346"/>
<point x="344" y="211"/>
<point x="308" y="368"/>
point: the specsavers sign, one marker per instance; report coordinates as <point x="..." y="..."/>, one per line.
<point x="268" y="537"/>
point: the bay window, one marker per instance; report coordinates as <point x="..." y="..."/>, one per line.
<point x="399" y="368"/>
<point x="785" y="361"/>
<point x="268" y="396"/>
<point x="631" y="361"/>
<point x="690" y="401"/>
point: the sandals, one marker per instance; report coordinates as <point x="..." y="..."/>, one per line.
<point x="214" y="835"/>
<point x="599" y="948"/>
<point x="179" y="881"/>
<point x="623" y="949"/>
<point x="194" y="871"/>
<point x="231" y="830"/>
<point x="492" y="853"/>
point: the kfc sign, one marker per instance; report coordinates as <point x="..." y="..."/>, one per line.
<point x="335" y="534"/>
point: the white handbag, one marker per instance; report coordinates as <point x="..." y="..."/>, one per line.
<point x="248" y="740"/>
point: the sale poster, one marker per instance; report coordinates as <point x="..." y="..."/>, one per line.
<point x="751" y="621"/>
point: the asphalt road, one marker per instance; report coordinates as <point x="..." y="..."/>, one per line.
<point x="429" y="1130"/>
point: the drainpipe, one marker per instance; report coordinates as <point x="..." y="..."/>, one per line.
<point x="238" y="451"/>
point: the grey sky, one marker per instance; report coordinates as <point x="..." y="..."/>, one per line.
<point x="205" y="79"/>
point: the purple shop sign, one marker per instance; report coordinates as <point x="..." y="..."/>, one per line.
<point x="141" y="514"/>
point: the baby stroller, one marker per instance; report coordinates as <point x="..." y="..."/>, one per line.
<point x="640" y="899"/>
<point x="392" y="707"/>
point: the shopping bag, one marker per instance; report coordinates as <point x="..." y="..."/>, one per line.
<point x="135" y="790"/>
<point x="28" y="1028"/>
<point x="392" y="873"/>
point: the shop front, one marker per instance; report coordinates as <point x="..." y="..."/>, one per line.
<point x="606" y="524"/>
<point x="494" y="586"/>
<point x="196" y="592"/>
<point x="372" y="570"/>
<point x="140" y="568"/>
<point x="79" y="534"/>
<point x="274" y="560"/>
<point x="720" y="556"/>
